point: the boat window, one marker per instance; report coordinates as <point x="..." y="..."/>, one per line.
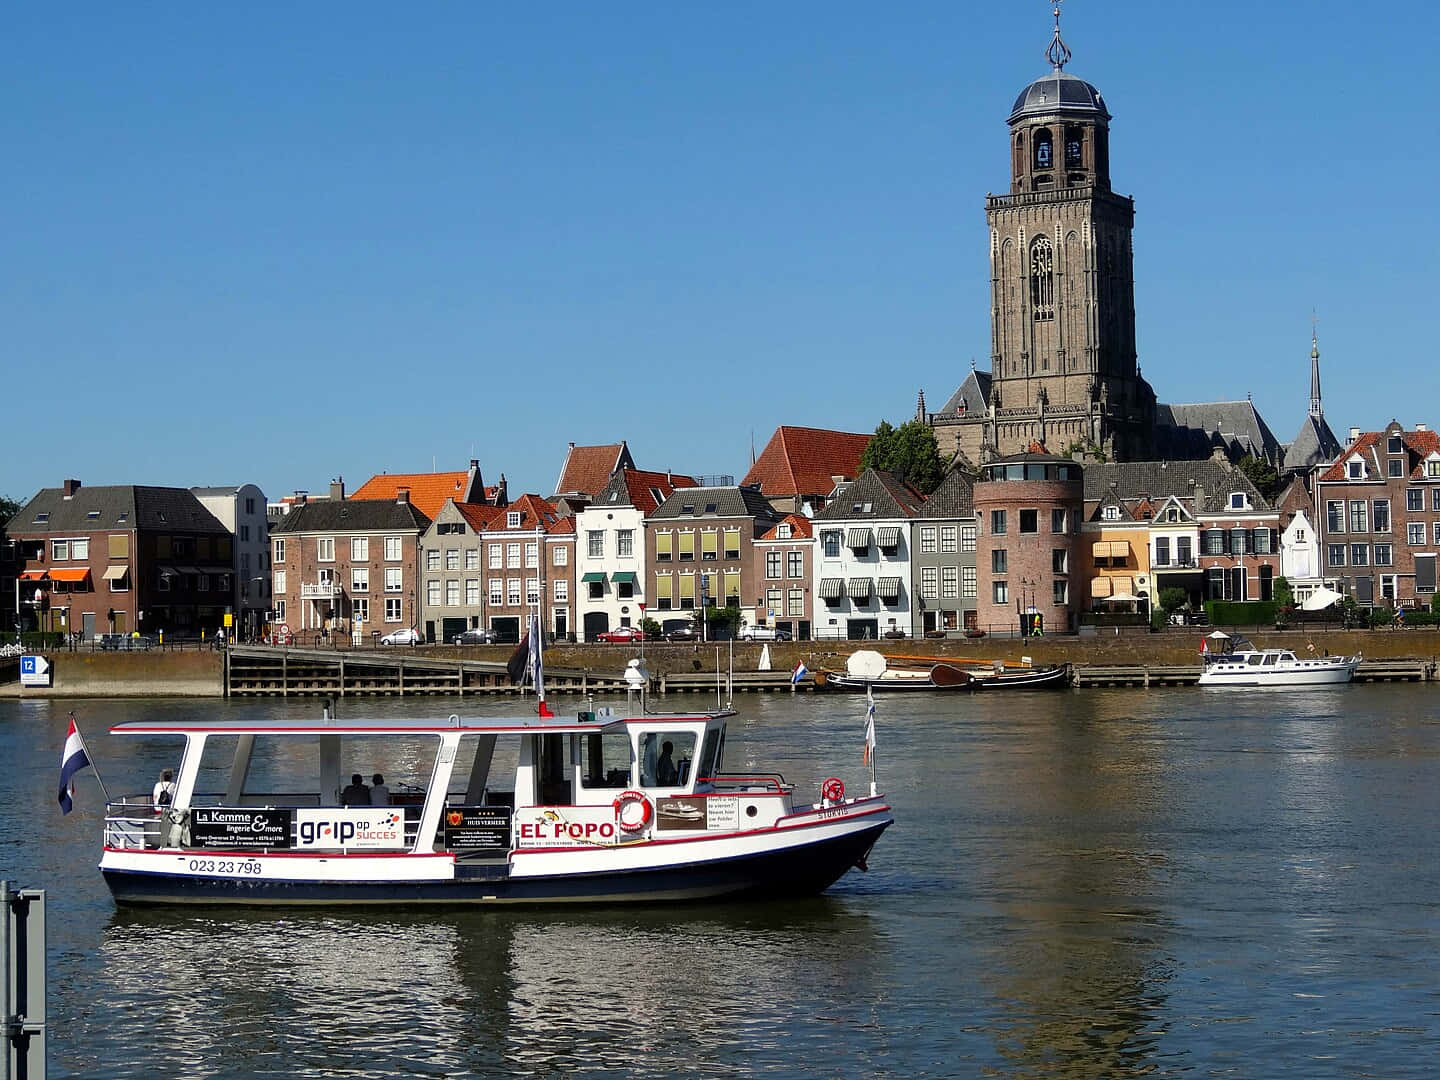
<point x="605" y="760"/>
<point x="285" y="771"/>
<point x="657" y="769"/>
<point x="710" y="754"/>
<point x="1270" y="659"/>
<point x="1253" y="659"/>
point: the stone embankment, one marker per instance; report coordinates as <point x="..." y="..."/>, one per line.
<point x="202" y="674"/>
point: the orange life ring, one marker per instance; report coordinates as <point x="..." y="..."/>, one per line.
<point x="631" y="798"/>
<point x="833" y="790"/>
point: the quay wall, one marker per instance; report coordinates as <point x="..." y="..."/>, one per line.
<point x="138" y="674"/>
<point x="201" y="673"/>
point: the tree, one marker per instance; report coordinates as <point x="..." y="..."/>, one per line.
<point x="909" y="452"/>
<point x="1262" y="474"/>
<point x="8" y="509"/>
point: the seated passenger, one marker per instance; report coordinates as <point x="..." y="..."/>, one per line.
<point x="665" y="771"/>
<point x="357" y="794"/>
<point x="379" y="793"/>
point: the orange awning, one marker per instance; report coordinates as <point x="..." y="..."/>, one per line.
<point x="32" y="575"/>
<point x="70" y="573"/>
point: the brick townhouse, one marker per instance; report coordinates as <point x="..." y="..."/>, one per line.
<point x="345" y="565"/>
<point x="784" y="568"/>
<point x="526" y="551"/>
<point x="1379" y="515"/>
<point x="700" y="545"/>
<point x="119" y="559"/>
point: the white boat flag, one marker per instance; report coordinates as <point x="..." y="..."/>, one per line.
<point x="869" y="753"/>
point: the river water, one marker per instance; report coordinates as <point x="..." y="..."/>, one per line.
<point x="1101" y="883"/>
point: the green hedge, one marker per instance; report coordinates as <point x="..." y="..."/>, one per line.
<point x="1251" y="613"/>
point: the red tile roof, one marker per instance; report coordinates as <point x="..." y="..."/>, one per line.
<point x="800" y="528"/>
<point x="428" y="491"/>
<point x="479" y="516"/>
<point x="639" y="483"/>
<point x="533" y="511"/>
<point x="804" y="461"/>
<point x="1422" y="443"/>
<point x="587" y="469"/>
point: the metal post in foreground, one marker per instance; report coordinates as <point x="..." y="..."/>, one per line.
<point x="22" y="989"/>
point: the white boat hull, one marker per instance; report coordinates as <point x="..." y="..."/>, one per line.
<point x="1304" y="673"/>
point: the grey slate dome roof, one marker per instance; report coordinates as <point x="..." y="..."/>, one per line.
<point x="1059" y="91"/>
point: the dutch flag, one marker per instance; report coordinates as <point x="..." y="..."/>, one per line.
<point x="72" y="760"/>
<point x="799" y="673"/>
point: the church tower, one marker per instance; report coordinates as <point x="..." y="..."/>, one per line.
<point x="1063" y="358"/>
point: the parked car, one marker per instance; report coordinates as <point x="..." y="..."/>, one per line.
<point x="763" y="633"/>
<point x="683" y="633"/>
<point x="620" y="634"/>
<point x="475" y="636"/>
<point x="407" y="635"/>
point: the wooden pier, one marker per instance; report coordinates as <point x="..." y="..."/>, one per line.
<point x="262" y="671"/>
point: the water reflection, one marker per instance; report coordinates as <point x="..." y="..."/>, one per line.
<point x="656" y="992"/>
<point x="1081" y="975"/>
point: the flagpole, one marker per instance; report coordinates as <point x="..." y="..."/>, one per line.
<point x="81" y="736"/>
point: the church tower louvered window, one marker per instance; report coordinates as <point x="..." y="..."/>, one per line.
<point x="1042" y="279"/>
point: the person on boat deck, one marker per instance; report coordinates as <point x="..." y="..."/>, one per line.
<point x="357" y="794"/>
<point x="665" y="771"/>
<point x="379" y="793"/>
<point x="164" y="793"/>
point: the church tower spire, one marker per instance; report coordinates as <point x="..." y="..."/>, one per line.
<point x="1316" y="409"/>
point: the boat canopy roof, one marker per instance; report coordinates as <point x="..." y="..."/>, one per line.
<point x="400" y="725"/>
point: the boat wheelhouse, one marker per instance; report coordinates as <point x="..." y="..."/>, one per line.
<point x="519" y="810"/>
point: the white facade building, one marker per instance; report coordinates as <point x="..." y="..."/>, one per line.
<point x="242" y="510"/>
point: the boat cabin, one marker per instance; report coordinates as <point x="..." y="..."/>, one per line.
<point x="468" y="786"/>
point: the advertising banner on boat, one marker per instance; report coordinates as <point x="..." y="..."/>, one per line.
<point x="221" y="827"/>
<point x="570" y="826"/>
<point x="681" y="813"/>
<point x="477" y="829"/>
<point x="378" y="828"/>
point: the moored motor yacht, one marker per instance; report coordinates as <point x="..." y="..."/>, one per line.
<point x="256" y="815"/>
<point x="1245" y="665"/>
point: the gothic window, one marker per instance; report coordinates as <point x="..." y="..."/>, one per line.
<point x="1074" y="143"/>
<point x="1043" y="149"/>
<point x="1042" y="279"/>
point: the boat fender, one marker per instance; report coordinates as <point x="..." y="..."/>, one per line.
<point x="628" y="799"/>
<point x="833" y="790"/>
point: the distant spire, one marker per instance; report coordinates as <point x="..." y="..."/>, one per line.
<point x="1316" y="409"/>
<point x="1059" y="53"/>
<point x="920" y="407"/>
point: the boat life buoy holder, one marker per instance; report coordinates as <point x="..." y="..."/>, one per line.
<point x="833" y="790"/>
<point x="626" y="817"/>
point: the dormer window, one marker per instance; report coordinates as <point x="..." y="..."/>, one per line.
<point x="782" y="532"/>
<point x="1238" y="501"/>
<point x="687" y="508"/>
<point x="614" y="496"/>
<point x="42" y="518"/>
<point x="512" y="519"/>
<point x="1395" y="445"/>
<point x="1110" y="513"/>
<point x="92" y="515"/>
<point x="1172" y="514"/>
<point x="1432" y="468"/>
<point x="709" y="508"/>
<point x="1355" y="469"/>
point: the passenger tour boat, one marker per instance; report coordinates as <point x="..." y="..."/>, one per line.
<point x="597" y="809"/>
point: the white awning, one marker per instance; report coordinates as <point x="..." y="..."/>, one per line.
<point x="859" y="588"/>
<point x="887" y="536"/>
<point x="115" y="573"/>
<point x="1320" y="599"/>
<point x="857" y="539"/>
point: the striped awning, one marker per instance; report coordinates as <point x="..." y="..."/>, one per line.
<point x="1119" y="549"/>
<point x="887" y="536"/>
<point x="1100" y="587"/>
<point x="858" y="540"/>
<point x="859" y="588"/>
<point x="1100" y="549"/>
<point x="832" y="588"/>
<point x="888" y="588"/>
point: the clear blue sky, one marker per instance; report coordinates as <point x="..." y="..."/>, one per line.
<point x="274" y="243"/>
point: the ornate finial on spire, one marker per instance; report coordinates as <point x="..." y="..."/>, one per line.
<point x="1059" y="53"/>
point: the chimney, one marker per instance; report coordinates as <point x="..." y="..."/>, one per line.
<point x="1199" y="498"/>
<point x="502" y="491"/>
<point x="1418" y="427"/>
<point x="1354" y="434"/>
<point x="402" y="496"/>
<point x="337" y="489"/>
<point x="474" y="463"/>
<point x="71" y="486"/>
<point x="301" y="497"/>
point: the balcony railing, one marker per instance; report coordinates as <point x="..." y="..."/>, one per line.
<point x="324" y="590"/>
